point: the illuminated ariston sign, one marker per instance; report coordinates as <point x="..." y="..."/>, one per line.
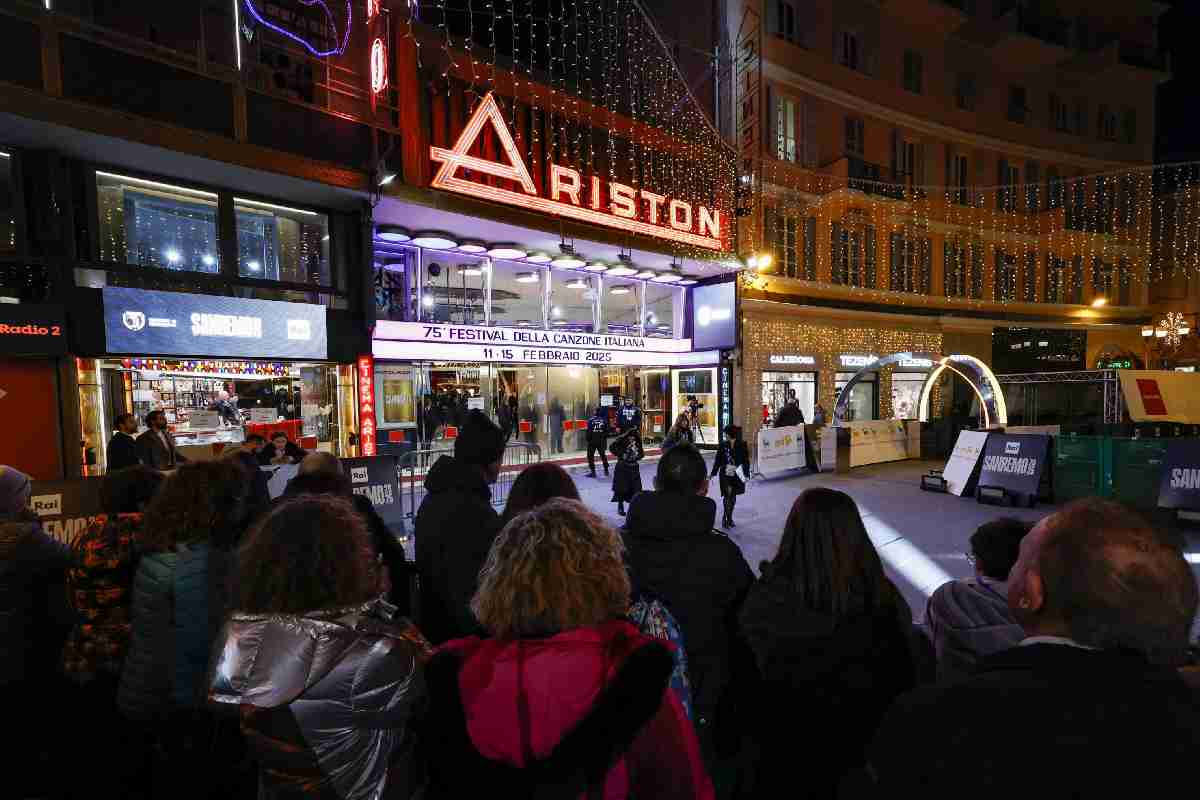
<point x="614" y="205"/>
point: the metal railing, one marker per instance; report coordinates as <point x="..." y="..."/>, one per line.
<point x="415" y="464"/>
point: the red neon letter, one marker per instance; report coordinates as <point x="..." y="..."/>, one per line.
<point x="565" y="179"/>
<point x="656" y="201"/>
<point x="710" y="223"/>
<point x="379" y="71"/>
<point x="596" y="192"/>
<point x="623" y="199"/>
<point x="678" y="222"/>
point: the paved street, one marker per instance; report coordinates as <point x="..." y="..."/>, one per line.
<point x="921" y="536"/>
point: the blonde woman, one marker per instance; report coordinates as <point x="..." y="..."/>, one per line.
<point x="565" y="693"/>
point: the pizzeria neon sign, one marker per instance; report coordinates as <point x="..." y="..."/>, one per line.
<point x="666" y="218"/>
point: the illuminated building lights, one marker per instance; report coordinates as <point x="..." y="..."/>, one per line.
<point x="338" y="49"/>
<point x="507" y="252"/>
<point x="646" y="274"/>
<point x="156" y="185"/>
<point x="688" y="282"/>
<point x="578" y="283"/>
<point x="379" y="70"/>
<point x="470" y="272"/>
<point x="526" y="277"/>
<point x="207" y="260"/>
<point x="472" y="247"/>
<point x="621" y="271"/>
<point x="391" y="233"/>
<point x="567" y="262"/>
<point x="253" y="266"/>
<point x="623" y="200"/>
<point x="619" y="290"/>
<point x="257" y="204"/>
<point x="596" y="267"/>
<point x="434" y="241"/>
<point x="667" y="277"/>
<point x="539" y="258"/>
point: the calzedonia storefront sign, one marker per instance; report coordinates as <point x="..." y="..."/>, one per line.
<point x="171" y="323"/>
<point x="417" y="341"/>
<point x="572" y="194"/>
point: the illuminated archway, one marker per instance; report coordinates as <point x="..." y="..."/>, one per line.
<point x="976" y="373"/>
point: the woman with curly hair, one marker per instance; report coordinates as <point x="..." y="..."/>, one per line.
<point x="324" y="676"/>
<point x="565" y="696"/>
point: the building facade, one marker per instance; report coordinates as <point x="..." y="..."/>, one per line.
<point x="943" y="169"/>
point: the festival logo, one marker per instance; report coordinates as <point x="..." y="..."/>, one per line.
<point x="133" y="320"/>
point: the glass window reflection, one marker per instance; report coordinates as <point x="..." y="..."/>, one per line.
<point x="150" y="224"/>
<point x="663" y="305"/>
<point x="572" y="295"/>
<point x="278" y="243"/>
<point x="621" y="306"/>
<point x="517" y="294"/>
<point x="454" y="289"/>
<point x="8" y="205"/>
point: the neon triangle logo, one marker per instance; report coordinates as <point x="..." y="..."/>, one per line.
<point x="457" y="156"/>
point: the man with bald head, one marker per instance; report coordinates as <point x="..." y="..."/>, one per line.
<point x="1089" y="704"/>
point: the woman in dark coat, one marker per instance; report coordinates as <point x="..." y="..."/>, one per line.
<point x="831" y="637"/>
<point x="732" y="453"/>
<point x="627" y="475"/>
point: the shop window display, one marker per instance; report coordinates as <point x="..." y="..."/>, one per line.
<point x="700" y="384"/>
<point x="779" y="387"/>
<point x="906" y="394"/>
<point x="864" y="397"/>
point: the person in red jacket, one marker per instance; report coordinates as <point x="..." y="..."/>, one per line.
<point x="566" y="698"/>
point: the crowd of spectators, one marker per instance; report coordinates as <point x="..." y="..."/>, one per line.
<point x="201" y="640"/>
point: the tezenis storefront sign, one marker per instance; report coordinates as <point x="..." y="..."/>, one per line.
<point x="572" y="195"/>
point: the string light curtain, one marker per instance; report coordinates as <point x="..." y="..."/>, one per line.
<point x="585" y="84"/>
<point x="1064" y="239"/>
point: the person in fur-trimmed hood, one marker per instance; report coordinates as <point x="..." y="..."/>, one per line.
<point x="566" y="698"/>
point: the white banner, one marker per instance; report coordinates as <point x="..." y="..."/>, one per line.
<point x="434" y="351"/>
<point x="1161" y="396"/>
<point x="263" y="416"/>
<point x="203" y="420"/>
<point x="876" y="441"/>
<point x="524" y="337"/>
<point x="961" y="464"/>
<point x="781" y="449"/>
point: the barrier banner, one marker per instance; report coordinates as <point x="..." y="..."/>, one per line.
<point x="1015" y="462"/>
<point x="961" y="472"/>
<point x="1180" y="487"/>
<point x="67" y="507"/>
<point x="375" y="478"/>
<point x="781" y="449"/>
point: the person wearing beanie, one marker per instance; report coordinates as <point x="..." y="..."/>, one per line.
<point x="455" y="527"/>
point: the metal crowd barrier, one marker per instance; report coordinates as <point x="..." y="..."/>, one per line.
<point x="415" y="464"/>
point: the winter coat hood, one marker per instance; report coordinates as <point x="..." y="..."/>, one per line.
<point x="969" y="620"/>
<point x="448" y="474"/>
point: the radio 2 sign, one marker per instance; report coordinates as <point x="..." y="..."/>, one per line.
<point x="612" y="204"/>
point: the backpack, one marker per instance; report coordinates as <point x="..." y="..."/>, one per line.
<point x="652" y="618"/>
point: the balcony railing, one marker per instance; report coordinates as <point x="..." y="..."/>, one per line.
<point x="869" y="178"/>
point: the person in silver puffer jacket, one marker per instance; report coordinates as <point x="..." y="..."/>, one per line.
<point x="325" y="679"/>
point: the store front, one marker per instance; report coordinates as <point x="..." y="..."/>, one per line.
<point x="540" y="386"/>
<point x="793" y="376"/>
<point x="33" y="341"/>
<point x="219" y="368"/>
<point x="803" y="353"/>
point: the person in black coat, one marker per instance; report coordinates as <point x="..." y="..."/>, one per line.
<point x="674" y="555"/>
<point x="597" y="440"/>
<point x="627" y="474"/>
<point x="321" y="473"/>
<point x="455" y="527"/>
<point x="1090" y="703"/>
<point x="732" y="454"/>
<point x="789" y="415"/>
<point x="830" y="635"/>
<point x="122" y="448"/>
<point x="281" y="450"/>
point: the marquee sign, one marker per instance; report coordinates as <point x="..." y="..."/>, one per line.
<point x="320" y="27"/>
<point x="519" y="354"/>
<point x="522" y="337"/>
<point x="612" y="204"/>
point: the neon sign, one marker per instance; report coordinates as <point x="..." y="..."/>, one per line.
<point x="379" y="70"/>
<point x="615" y="205"/>
<point x="372" y="10"/>
<point x="300" y="20"/>
<point x="366" y="405"/>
